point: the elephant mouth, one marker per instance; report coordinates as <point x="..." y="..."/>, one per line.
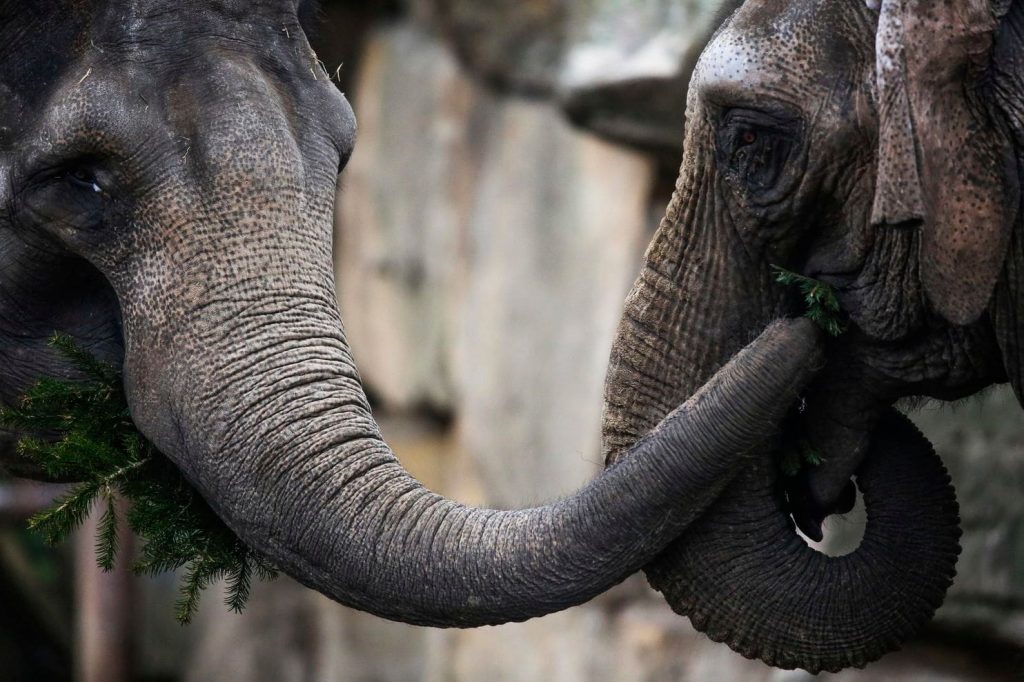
<point x="825" y="437"/>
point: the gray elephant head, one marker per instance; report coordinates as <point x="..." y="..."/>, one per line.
<point x="876" y="151"/>
<point x="168" y="184"/>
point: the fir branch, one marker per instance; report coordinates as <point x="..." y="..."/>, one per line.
<point x="811" y="456"/>
<point x="106" y="534"/>
<point x="823" y="306"/>
<point x="58" y="522"/>
<point x="796" y="456"/>
<point x="239" y="586"/>
<point x="200" y="574"/>
<point x="84" y="361"/>
<point x="96" y="442"/>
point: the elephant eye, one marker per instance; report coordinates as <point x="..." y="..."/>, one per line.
<point x="753" y="148"/>
<point x="71" y="198"/>
<point x="84" y="179"/>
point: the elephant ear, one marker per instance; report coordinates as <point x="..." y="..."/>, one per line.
<point x="1008" y="314"/>
<point x="942" y="165"/>
<point x="1008" y="304"/>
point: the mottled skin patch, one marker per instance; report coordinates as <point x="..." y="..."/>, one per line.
<point x="169" y="174"/>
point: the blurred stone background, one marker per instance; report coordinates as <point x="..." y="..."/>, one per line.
<point x="514" y="157"/>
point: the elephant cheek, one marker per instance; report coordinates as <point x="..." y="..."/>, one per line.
<point x="699" y="299"/>
<point x="886" y="301"/>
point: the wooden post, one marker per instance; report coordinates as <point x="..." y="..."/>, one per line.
<point x="21" y="499"/>
<point x="103" y="606"/>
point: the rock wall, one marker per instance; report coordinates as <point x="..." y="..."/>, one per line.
<point x="982" y="443"/>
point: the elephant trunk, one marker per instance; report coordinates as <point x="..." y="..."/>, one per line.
<point x="283" y="445"/>
<point x="695" y="304"/>
<point x="745" y="578"/>
<point x="237" y="368"/>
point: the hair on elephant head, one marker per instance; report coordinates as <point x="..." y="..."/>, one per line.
<point x="876" y="150"/>
<point x="168" y="184"/>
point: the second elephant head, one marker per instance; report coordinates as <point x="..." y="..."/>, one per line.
<point x="878" y="152"/>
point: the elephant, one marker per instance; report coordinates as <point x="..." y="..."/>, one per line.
<point x="169" y="173"/>
<point x="875" y="149"/>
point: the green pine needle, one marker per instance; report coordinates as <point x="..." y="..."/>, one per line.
<point x="822" y="304"/>
<point x="812" y="457"/>
<point x="97" y="443"/>
<point x="106" y="534"/>
<point x="67" y="514"/>
<point x="794" y="457"/>
<point x="239" y="587"/>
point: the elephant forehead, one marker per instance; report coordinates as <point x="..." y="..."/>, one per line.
<point x="65" y="43"/>
<point x="794" y="51"/>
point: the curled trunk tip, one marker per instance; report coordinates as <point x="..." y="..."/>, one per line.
<point x="744" y="577"/>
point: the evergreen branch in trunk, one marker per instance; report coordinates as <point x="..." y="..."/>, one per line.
<point x="96" y="442"/>
<point x="824" y="310"/>
<point x="822" y="304"/>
